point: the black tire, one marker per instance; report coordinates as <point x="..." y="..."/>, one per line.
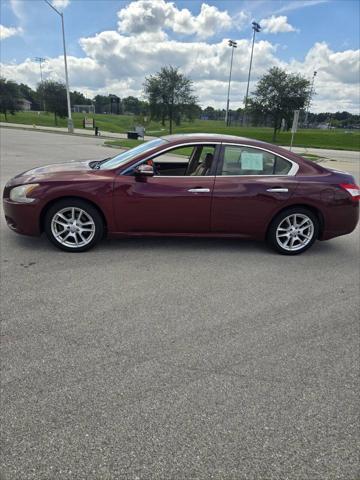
<point x="90" y="213"/>
<point x="313" y="231"/>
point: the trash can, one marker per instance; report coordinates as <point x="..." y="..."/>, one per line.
<point x="133" y="135"/>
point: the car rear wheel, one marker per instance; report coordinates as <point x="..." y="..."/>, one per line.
<point x="73" y="225"/>
<point x="293" y="231"/>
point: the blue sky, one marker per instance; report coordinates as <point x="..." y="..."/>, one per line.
<point x="292" y="42"/>
<point x="330" y="21"/>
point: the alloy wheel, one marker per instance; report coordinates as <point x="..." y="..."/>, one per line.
<point x="73" y="227"/>
<point x="295" y="232"/>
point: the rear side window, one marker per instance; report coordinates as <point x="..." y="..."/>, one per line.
<point x="252" y="161"/>
<point x="282" y="166"/>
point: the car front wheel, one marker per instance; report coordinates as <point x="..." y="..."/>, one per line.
<point x="73" y="225"/>
<point x="293" y="231"/>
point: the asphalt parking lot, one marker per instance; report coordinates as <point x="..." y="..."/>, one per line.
<point x="174" y="358"/>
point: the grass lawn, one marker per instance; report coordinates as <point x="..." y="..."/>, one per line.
<point x="126" y="143"/>
<point x="332" y="139"/>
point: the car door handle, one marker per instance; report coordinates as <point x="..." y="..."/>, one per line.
<point x="278" y="190"/>
<point x="199" y="190"/>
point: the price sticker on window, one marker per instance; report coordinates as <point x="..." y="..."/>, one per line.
<point x="252" y="161"/>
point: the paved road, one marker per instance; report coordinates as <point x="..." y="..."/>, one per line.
<point x="176" y="358"/>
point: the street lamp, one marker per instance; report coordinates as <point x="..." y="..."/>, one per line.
<point x="233" y="45"/>
<point x="256" y="28"/>
<point x="40" y="61"/>
<point x="309" y="101"/>
<point x="70" y="122"/>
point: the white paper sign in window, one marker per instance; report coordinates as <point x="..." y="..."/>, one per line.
<point x="252" y="161"/>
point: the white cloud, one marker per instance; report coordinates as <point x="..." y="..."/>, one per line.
<point x="122" y="57"/>
<point x="275" y="24"/>
<point x="84" y="72"/>
<point x="117" y="64"/>
<point x="118" y="61"/>
<point x="17" y="6"/>
<point x="210" y="20"/>
<point x="156" y="15"/>
<point x="60" y="4"/>
<point x="340" y="67"/>
<point x="241" y="19"/>
<point x="298" y="4"/>
<point x="145" y="15"/>
<point x="6" y="32"/>
<point x="337" y="80"/>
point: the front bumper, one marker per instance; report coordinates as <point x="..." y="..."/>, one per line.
<point x="23" y="218"/>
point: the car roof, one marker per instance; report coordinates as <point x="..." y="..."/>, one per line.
<point x="216" y="137"/>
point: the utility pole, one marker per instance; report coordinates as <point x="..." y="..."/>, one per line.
<point x="309" y="101"/>
<point x="40" y="61"/>
<point x="256" y="28"/>
<point x="233" y="45"/>
<point x="70" y="121"/>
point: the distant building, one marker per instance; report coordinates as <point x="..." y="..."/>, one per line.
<point x="25" y="105"/>
<point x="323" y="126"/>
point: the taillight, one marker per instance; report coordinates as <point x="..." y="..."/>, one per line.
<point x="352" y="189"/>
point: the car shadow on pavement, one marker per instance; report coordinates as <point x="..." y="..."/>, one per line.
<point x="175" y="244"/>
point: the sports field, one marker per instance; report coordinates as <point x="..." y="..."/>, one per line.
<point x="315" y="138"/>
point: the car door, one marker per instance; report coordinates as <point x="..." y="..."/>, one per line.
<point x="174" y="204"/>
<point x="251" y="185"/>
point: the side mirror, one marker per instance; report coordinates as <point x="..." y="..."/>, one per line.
<point x="144" y="170"/>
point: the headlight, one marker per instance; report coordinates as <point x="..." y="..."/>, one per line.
<point x="20" y="194"/>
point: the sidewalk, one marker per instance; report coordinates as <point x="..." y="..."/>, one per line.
<point x="77" y="131"/>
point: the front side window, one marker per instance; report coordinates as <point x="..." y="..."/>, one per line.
<point x="124" y="157"/>
<point x="240" y="160"/>
<point x="191" y="160"/>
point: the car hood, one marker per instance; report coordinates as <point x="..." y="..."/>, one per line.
<point x="67" y="167"/>
<point x="60" y="172"/>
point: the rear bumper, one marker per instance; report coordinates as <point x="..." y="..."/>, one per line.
<point x="340" y="220"/>
<point x="22" y="218"/>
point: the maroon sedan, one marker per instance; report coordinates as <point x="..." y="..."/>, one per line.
<point x="194" y="185"/>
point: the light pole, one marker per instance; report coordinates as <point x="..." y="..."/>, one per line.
<point x="40" y="61"/>
<point x="233" y="45"/>
<point x="309" y="101"/>
<point x="70" y="122"/>
<point x="256" y="28"/>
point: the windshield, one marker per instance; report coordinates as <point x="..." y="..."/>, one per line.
<point x="124" y="157"/>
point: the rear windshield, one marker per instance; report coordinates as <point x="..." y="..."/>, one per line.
<point x="124" y="157"/>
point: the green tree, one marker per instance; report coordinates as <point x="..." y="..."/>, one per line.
<point x="144" y="108"/>
<point x="278" y="94"/>
<point x="29" y="94"/>
<point x="170" y="96"/>
<point x="78" y="98"/>
<point x="102" y="104"/>
<point x="54" y="95"/>
<point x="9" y="97"/>
<point x="191" y="111"/>
<point x="209" y="112"/>
<point x="131" y="105"/>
